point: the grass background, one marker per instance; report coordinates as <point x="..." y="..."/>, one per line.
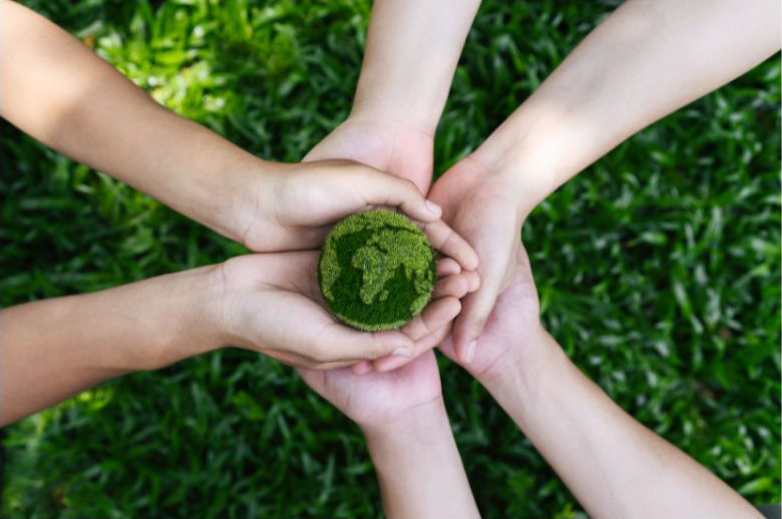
<point x="658" y="269"/>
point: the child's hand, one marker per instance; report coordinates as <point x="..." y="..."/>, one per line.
<point x="379" y="399"/>
<point x="511" y="337"/>
<point x="486" y="209"/>
<point x="408" y="436"/>
<point x="272" y="303"/>
<point x="292" y="206"/>
<point x="400" y="149"/>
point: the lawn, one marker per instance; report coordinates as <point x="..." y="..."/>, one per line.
<point x="658" y="270"/>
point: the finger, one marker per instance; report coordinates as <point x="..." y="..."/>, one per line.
<point x="435" y="315"/>
<point x="361" y="368"/>
<point x="476" y="308"/>
<point x="446" y="347"/>
<point x="447" y="241"/>
<point x="302" y="327"/>
<point x="473" y="280"/>
<point x="447" y="266"/>
<point x="456" y="286"/>
<point x="303" y="362"/>
<point x="340" y="343"/>
<point x="430" y="327"/>
<point x="422" y="346"/>
<point x="379" y="188"/>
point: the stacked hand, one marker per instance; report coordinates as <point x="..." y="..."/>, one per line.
<point x="271" y="302"/>
<point x="482" y="207"/>
<point x="405" y="151"/>
<point x="281" y="206"/>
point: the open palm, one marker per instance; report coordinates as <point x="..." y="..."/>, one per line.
<point x="376" y="398"/>
<point x="272" y="303"/>
<point x="484" y="209"/>
<point x="515" y="317"/>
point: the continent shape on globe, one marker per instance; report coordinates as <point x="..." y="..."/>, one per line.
<point x="376" y="270"/>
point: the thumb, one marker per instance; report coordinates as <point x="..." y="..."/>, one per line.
<point x="476" y="308"/>
<point x="379" y="188"/>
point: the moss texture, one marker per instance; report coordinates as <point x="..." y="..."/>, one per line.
<point x="376" y="270"/>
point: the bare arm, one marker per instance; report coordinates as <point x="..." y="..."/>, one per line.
<point x="646" y="60"/>
<point x="418" y="466"/>
<point x="615" y="466"/>
<point x="409" y="438"/>
<point x="53" y="349"/>
<point x="60" y="92"/>
<point x="411" y="53"/>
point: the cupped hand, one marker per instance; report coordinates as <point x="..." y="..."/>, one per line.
<point x="399" y="149"/>
<point x="406" y="152"/>
<point x="376" y="399"/>
<point x="512" y="331"/>
<point x="272" y="303"/>
<point x="294" y="206"/>
<point x="485" y="209"/>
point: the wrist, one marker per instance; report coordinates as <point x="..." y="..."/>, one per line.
<point x="525" y="370"/>
<point x="533" y="151"/>
<point x="180" y="315"/>
<point x="246" y="191"/>
<point x="388" y="118"/>
<point x="416" y="424"/>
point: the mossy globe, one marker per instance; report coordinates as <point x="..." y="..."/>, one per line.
<point x="376" y="270"/>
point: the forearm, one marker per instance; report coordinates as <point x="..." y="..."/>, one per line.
<point x="418" y="466"/>
<point x="411" y="53"/>
<point x="54" y="348"/>
<point x="614" y="465"/>
<point x="645" y="60"/>
<point x="63" y="94"/>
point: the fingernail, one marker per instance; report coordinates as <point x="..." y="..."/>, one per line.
<point x="470" y="353"/>
<point x="434" y="208"/>
<point x="402" y="352"/>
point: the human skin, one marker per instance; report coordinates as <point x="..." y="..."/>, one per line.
<point x="399" y="98"/>
<point x="98" y="117"/>
<point x="647" y="59"/>
<point x="403" y="417"/>
<point x="401" y="91"/>
<point x="269" y="303"/>
<point x="614" y="466"/>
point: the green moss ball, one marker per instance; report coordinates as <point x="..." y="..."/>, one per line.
<point x="376" y="270"/>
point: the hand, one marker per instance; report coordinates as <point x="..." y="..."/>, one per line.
<point x="512" y="334"/>
<point x="618" y="461"/>
<point x="404" y="151"/>
<point x="292" y="206"/>
<point x="378" y="399"/>
<point x="272" y="303"/>
<point x="408" y="436"/>
<point x="485" y="209"/>
<point x="399" y="149"/>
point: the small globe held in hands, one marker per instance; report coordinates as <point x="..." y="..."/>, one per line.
<point x="376" y="270"/>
